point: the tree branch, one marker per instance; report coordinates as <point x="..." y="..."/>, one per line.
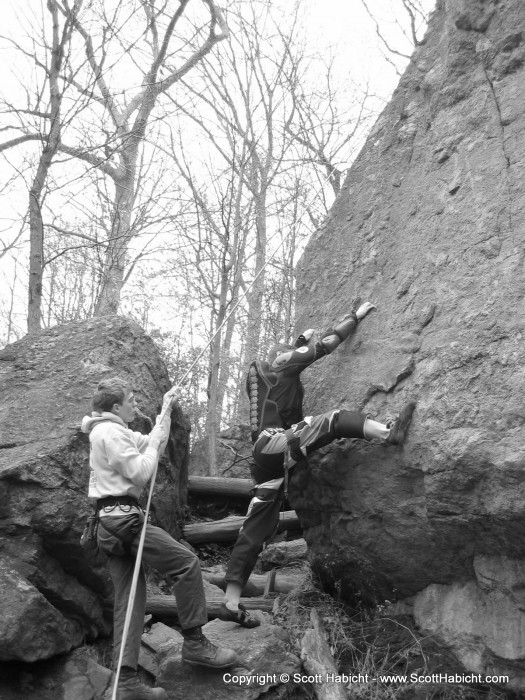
<point x="95" y="161"/>
<point x="20" y="139"/>
<point x="152" y="87"/>
<point x="65" y="232"/>
<point x="381" y="37"/>
<point x="95" y="66"/>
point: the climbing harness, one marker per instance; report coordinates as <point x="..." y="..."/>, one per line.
<point x="292" y="455"/>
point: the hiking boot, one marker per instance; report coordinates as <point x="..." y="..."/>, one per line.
<point x="197" y="650"/>
<point x="133" y="689"/>
<point x="241" y="616"/>
<point x="398" y="430"/>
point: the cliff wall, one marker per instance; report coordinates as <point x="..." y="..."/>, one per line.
<point x="430" y="226"/>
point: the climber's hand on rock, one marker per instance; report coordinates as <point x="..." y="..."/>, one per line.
<point x="304" y="338"/>
<point x="364" y="309"/>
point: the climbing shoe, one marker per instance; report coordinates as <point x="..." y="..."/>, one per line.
<point x="398" y="430"/>
<point x="197" y="650"/>
<point x="133" y="689"/>
<point x="241" y="616"/>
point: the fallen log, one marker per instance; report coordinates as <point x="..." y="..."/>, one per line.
<point x="227" y="529"/>
<point x="260" y="584"/>
<point x="165" y="606"/>
<point x="219" y="487"/>
<point x="318" y="661"/>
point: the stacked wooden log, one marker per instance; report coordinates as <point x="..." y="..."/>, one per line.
<point x="219" y="487"/>
<point x="227" y="529"/>
<point x="165" y="606"/>
<point x="260" y="584"/>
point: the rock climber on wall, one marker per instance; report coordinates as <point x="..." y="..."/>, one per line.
<point x="282" y="436"/>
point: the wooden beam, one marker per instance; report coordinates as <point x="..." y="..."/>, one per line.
<point x="257" y="583"/>
<point x="219" y="487"/>
<point x="227" y="529"/>
<point x="165" y="606"/>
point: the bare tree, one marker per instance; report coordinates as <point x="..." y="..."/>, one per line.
<point x="273" y="147"/>
<point x="112" y="126"/>
<point x="7" y="306"/>
<point x="241" y="106"/>
<point x="214" y="231"/>
<point x="326" y="133"/>
<point x="52" y="119"/>
<point x="408" y="24"/>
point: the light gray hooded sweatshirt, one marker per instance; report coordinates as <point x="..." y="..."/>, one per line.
<point x="121" y="461"/>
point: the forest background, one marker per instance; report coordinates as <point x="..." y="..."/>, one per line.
<point x="168" y="160"/>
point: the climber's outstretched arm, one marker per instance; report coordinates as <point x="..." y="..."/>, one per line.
<point x="306" y="352"/>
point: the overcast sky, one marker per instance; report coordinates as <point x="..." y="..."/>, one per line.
<point x="341" y="28"/>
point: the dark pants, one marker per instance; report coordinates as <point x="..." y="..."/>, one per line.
<point x="269" y="451"/>
<point x="118" y="538"/>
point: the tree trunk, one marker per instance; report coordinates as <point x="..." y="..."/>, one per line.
<point x="219" y="374"/>
<point x="115" y="259"/>
<point x="36" y="250"/>
<point x="36" y="223"/>
<point x="238" y="250"/>
<point x="255" y="301"/>
<point x="213" y="412"/>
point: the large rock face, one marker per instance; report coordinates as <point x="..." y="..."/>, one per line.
<point x="52" y="596"/>
<point x="430" y="226"/>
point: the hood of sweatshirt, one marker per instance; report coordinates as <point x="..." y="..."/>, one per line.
<point x="89" y="422"/>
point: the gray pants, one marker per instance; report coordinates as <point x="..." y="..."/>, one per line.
<point x="118" y="538"/>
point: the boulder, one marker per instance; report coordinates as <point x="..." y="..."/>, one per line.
<point x="33" y="628"/>
<point x="53" y="595"/>
<point x="82" y="677"/>
<point x="482" y="619"/>
<point x="74" y="676"/>
<point x="429" y="226"/>
<point x="282" y="554"/>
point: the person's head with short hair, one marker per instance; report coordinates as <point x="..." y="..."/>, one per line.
<point x="114" y="396"/>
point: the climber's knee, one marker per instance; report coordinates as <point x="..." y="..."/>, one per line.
<point x="349" y="424"/>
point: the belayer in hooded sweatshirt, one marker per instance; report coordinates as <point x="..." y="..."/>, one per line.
<point x="121" y="463"/>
